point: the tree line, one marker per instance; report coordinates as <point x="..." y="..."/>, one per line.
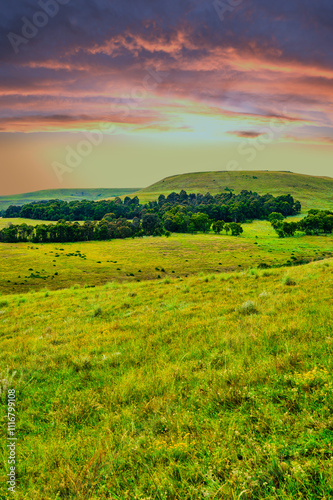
<point x="316" y="222"/>
<point x="226" y="206"/>
<point x="177" y="212"/>
<point x="177" y="220"/>
<point x="106" y="229"/>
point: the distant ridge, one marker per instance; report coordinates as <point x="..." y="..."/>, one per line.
<point x="63" y="194"/>
<point x="312" y="191"/>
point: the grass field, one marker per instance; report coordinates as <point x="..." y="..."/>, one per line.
<point x="26" y="266"/>
<point x="212" y="386"/>
<point x="169" y="368"/>
<point x="311" y="191"/>
<point x="62" y="194"/>
<point x="30" y="222"/>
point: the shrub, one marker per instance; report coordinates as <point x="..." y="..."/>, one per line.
<point x="263" y="265"/>
<point x="288" y="281"/>
<point x="248" y="307"/>
<point x="275" y="216"/>
<point x="265" y="274"/>
<point x="253" y="273"/>
<point x="97" y="312"/>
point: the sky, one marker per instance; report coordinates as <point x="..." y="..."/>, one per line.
<point x="122" y="93"/>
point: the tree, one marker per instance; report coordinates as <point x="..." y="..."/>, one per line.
<point x="218" y="226"/>
<point x="150" y="223"/>
<point x="161" y="200"/>
<point x="236" y="229"/>
<point x="284" y="229"/>
<point x="201" y="222"/>
<point x="275" y="216"/>
<point x="317" y="221"/>
<point x="136" y="223"/>
<point x="178" y="220"/>
<point x="290" y="228"/>
<point x="109" y="217"/>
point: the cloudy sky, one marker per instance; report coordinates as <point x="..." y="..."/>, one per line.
<point x="121" y="93"/>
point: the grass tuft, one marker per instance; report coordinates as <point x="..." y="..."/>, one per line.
<point x="288" y="281"/>
<point x="248" y="307"/>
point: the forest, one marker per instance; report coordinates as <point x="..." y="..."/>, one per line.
<point x="177" y="212"/>
<point x="226" y="206"/>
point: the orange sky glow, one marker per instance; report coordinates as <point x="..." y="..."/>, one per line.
<point x="169" y="81"/>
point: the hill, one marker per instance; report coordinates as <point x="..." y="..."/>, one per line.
<point x="62" y="194"/>
<point x="311" y="191"/>
<point x="203" y="387"/>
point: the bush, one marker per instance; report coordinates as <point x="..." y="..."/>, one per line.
<point x="97" y="312"/>
<point x="288" y="281"/>
<point x="263" y="265"/>
<point x="275" y="216"/>
<point x="248" y="307"/>
<point x="253" y="273"/>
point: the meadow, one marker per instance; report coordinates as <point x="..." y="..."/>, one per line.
<point x="16" y="221"/>
<point x="62" y="194"/>
<point x="211" y="386"/>
<point x="189" y="367"/>
<point x="25" y="267"/>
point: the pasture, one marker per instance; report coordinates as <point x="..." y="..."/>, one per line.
<point x="26" y="267"/>
<point x="214" y="386"/>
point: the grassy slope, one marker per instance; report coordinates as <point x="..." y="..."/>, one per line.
<point x="30" y="222"/>
<point x="164" y="390"/>
<point x="62" y="194"/>
<point x="26" y="266"/>
<point x="313" y="192"/>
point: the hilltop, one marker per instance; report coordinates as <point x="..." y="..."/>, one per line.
<point x="63" y="194"/>
<point x="311" y="191"/>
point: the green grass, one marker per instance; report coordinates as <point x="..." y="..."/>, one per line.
<point x="173" y="389"/>
<point x="169" y="368"/>
<point x="311" y="191"/>
<point x="62" y="194"/>
<point x="30" y="222"/>
<point x="26" y="266"/>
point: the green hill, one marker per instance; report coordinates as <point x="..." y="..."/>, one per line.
<point x="174" y="388"/>
<point x="63" y="194"/>
<point x="313" y="192"/>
